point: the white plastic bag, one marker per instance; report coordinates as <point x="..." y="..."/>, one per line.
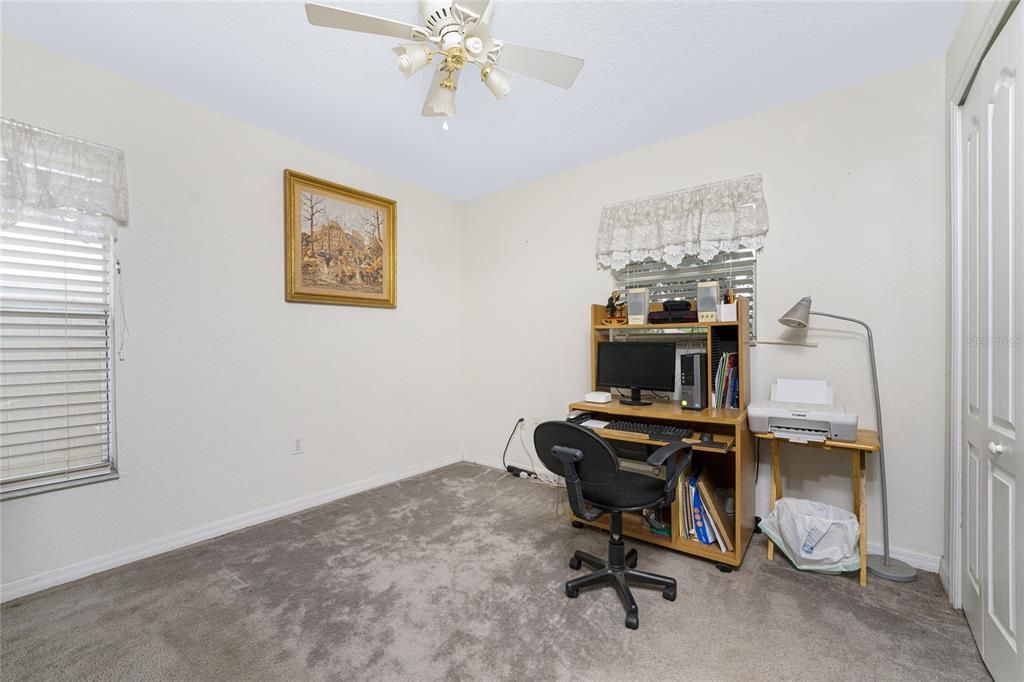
<point x="814" y="535"/>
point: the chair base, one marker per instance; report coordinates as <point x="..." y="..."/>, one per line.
<point x="619" y="572"/>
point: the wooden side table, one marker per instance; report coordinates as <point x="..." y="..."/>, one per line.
<point x="867" y="441"/>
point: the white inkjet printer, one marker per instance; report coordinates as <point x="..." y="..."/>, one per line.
<point x="802" y="410"/>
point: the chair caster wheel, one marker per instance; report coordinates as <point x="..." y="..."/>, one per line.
<point x="575" y="563"/>
<point x="632" y="621"/>
<point x="577" y="524"/>
<point x="631" y="558"/>
<point x="669" y="593"/>
<point x="724" y="568"/>
<point x="571" y="592"/>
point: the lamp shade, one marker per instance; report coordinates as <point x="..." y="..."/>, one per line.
<point x="798" y="315"/>
<point x="497" y="81"/>
<point x="412" y="58"/>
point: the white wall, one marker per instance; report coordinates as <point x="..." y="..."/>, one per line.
<point x="854" y="185"/>
<point x="220" y="370"/>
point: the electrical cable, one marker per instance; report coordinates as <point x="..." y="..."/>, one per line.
<point x="543" y="477"/>
<point x="757" y="460"/>
<point x="504" y="453"/>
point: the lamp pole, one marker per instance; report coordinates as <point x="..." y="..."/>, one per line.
<point x="884" y="566"/>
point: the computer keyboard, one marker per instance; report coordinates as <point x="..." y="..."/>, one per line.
<point x="652" y="430"/>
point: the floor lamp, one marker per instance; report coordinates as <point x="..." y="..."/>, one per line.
<point x="883" y="566"/>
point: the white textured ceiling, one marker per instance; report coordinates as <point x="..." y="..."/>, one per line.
<point x="654" y="70"/>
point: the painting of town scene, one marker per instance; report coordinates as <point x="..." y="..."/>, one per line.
<point x="341" y="244"/>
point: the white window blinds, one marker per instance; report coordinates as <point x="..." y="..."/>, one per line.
<point x="735" y="270"/>
<point x="55" y="356"/>
<point x="63" y="200"/>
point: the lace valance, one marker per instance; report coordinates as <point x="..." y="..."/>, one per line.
<point x="48" y="176"/>
<point x="703" y="221"/>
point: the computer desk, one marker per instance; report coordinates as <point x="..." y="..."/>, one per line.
<point x="731" y="460"/>
<point x="867" y="441"/>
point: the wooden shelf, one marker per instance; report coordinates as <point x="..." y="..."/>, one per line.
<point x="667" y="325"/>
<point x="633" y="526"/>
<point x="867" y="441"/>
<point x="666" y="410"/>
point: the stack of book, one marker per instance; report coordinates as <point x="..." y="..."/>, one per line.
<point x="726" y="391"/>
<point x="704" y="517"/>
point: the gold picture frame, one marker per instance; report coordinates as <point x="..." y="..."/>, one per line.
<point x="340" y="244"/>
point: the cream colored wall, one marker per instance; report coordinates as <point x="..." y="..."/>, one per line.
<point x="220" y="370"/>
<point x="854" y="185"/>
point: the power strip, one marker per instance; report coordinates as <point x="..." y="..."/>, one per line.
<point x="520" y="473"/>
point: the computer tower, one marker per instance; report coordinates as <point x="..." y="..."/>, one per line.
<point x="693" y="383"/>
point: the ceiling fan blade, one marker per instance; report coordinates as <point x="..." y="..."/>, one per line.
<point x="333" y="17"/>
<point x="550" y="67"/>
<point x="440" y="101"/>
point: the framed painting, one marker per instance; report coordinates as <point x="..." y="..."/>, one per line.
<point x="340" y="244"/>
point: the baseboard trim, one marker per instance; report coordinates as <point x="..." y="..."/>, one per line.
<point x="42" y="581"/>
<point x="494" y="463"/>
<point x="919" y="560"/>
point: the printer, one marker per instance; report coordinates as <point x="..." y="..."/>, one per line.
<point x="802" y="410"/>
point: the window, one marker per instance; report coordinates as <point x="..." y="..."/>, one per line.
<point x="56" y="421"/>
<point x="736" y="271"/>
<point x="63" y="200"/>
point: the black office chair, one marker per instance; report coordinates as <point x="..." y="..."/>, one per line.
<point x="592" y="475"/>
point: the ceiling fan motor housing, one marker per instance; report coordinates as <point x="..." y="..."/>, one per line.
<point x="440" y="20"/>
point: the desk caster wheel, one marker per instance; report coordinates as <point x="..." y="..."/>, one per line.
<point x="669" y="593"/>
<point x="632" y="621"/>
<point x="571" y="592"/>
<point x="575" y="563"/>
<point x="631" y="558"/>
<point x="724" y="568"/>
<point x="577" y="524"/>
<point x="757" y="525"/>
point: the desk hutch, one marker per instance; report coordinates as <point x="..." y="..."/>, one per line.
<point x="730" y="463"/>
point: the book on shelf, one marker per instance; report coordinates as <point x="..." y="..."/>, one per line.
<point x="716" y="512"/>
<point x="726" y="387"/>
<point x="703" y="515"/>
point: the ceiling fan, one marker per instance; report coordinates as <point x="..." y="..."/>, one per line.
<point x="459" y="33"/>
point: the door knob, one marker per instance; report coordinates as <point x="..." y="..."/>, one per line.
<point x="996" y="449"/>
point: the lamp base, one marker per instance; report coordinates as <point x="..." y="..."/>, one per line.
<point x="896" y="570"/>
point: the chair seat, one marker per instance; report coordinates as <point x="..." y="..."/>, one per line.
<point x="630" y="491"/>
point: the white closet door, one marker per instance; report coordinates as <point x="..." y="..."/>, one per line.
<point x="991" y="188"/>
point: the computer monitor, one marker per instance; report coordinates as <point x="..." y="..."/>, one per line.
<point x="636" y="365"/>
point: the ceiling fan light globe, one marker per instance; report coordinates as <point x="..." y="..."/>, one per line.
<point x="497" y="81"/>
<point x="442" y="102"/>
<point x="412" y="58"/>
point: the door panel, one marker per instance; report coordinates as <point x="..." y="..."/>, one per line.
<point x="972" y="530"/>
<point x="1001" y="254"/>
<point x="1001" y="493"/>
<point x="974" y="250"/>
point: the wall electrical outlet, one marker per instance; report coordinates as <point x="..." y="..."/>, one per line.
<point x="296" y="445"/>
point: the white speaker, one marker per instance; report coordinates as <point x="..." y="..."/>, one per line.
<point x="637" y="305"/>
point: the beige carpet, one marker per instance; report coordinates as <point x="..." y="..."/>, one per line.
<point x="457" y="574"/>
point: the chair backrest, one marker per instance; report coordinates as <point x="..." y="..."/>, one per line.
<point x="578" y="455"/>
